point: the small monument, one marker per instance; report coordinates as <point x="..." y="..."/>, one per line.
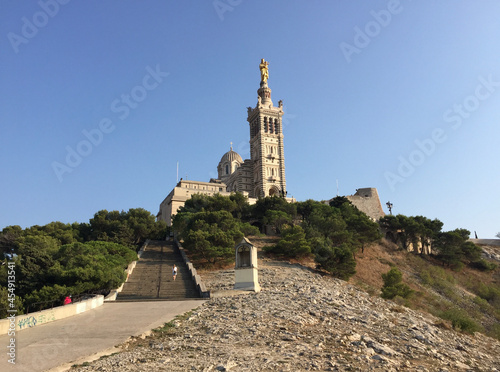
<point x="246" y="271"/>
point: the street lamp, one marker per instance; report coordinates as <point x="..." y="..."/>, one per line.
<point x="389" y="205"/>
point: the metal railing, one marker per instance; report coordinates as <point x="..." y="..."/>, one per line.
<point x="59" y="302"/>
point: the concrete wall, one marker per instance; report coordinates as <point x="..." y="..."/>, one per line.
<point x="45" y="316"/>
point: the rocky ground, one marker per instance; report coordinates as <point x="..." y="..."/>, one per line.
<point x="301" y="321"/>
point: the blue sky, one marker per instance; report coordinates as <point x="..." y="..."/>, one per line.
<point x="101" y="99"/>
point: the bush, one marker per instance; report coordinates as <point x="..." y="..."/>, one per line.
<point x="438" y="278"/>
<point x="483" y="265"/>
<point x="460" y="320"/>
<point x="489" y="293"/>
<point x="393" y="285"/>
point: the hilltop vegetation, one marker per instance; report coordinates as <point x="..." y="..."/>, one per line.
<point x="452" y="281"/>
<point x="211" y="225"/>
<point x="57" y="259"/>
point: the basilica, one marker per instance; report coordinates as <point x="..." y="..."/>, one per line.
<point x="264" y="173"/>
<point x="261" y="175"/>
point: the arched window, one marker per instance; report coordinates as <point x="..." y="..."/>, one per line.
<point x="227" y="169"/>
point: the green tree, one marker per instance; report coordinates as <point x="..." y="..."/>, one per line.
<point x="471" y="252"/>
<point x="275" y="203"/>
<point x="9" y="239"/>
<point x="412" y="231"/>
<point x="338" y="260"/>
<point x="364" y="230"/>
<point x="339" y="201"/>
<point x="448" y="247"/>
<point x="428" y="230"/>
<point x="392" y="226"/>
<point x="277" y="219"/>
<point x="305" y="209"/>
<point x="293" y="243"/>
<point x="60" y="231"/>
<point x="35" y="257"/>
<point x="393" y="285"/>
<point x="130" y="228"/>
<point x="5" y="303"/>
<point x="209" y="236"/>
<point x="242" y="209"/>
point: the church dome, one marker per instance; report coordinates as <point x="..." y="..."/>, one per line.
<point x="231" y="156"/>
<point x="228" y="164"/>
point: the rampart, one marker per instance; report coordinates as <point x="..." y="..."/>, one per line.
<point x="368" y="201"/>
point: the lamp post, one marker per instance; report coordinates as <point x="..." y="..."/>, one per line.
<point x="389" y="205"/>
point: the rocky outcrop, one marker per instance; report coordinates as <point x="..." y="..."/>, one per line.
<point x="300" y="321"/>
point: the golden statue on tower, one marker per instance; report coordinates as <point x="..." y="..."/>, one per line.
<point x="264" y="70"/>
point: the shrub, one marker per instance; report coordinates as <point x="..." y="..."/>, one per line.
<point x="489" y="293"/>
<point x="437" y="278"/>
<point x="393" y="285"/>
<point x="483" y="265"/>
<point x="460" y="320"/>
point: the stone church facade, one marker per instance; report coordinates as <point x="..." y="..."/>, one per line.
<point x="264" y="173"/>
<point x="260" y="176"/>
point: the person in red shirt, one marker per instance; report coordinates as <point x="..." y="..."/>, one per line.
<point x="67" y="300"/>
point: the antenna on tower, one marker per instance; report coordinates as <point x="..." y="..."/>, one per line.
<point x="337" y="187"/>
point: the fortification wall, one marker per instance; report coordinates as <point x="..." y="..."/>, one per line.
<point x="368" y="201"/>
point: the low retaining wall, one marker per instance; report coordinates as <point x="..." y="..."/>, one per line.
<point x="45" y="316"/>
<point x="200" y="286"/>
<point x="114" y="293"/>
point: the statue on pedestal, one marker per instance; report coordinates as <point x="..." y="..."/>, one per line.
<point x="264" y="70"/>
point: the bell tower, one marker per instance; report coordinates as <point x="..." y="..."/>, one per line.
<point x="266" y="142"/>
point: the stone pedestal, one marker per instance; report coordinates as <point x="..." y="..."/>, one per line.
<point x="246" y="276"/>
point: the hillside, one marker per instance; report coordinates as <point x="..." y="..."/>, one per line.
<point x="437" y="288"/>
<point x="306" y="320"/>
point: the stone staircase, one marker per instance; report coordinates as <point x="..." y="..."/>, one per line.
<point x="152" y="279"/>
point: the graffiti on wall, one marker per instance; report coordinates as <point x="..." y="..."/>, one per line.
<point x="31" y="321"/>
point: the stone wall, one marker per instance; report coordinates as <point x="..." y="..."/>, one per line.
<point x="367" y="201"/>
<point x="184" y="190"/>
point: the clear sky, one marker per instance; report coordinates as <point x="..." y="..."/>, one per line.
<point x="101" y="99"/>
